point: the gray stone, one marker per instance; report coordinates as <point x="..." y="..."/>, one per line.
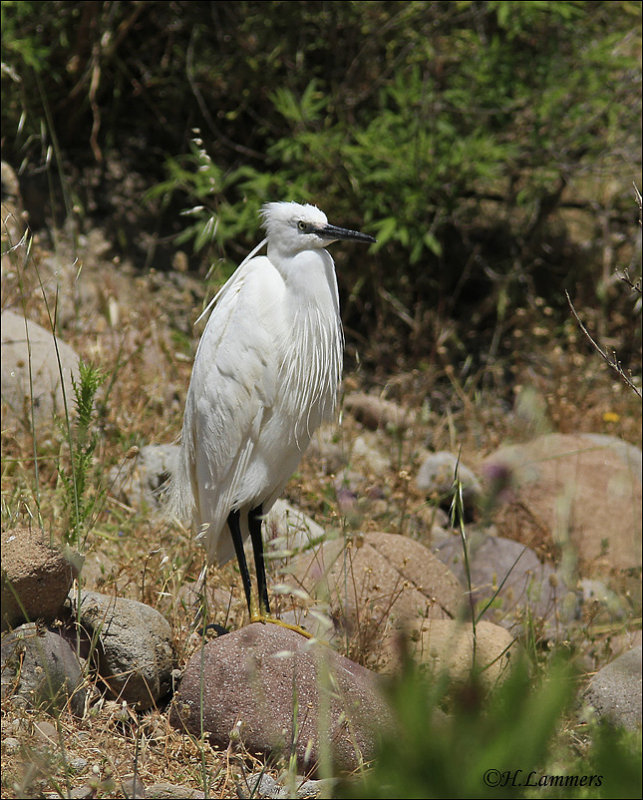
<point x="133" y="787"/>
<point x="40" y="669"/>
<point x="78" y="764"/>
<point x="11" y="745"/>
<point x="319" y="788"/>
<point x="615" y="691"/>
<point x="134" y="647"/>
<point x="81" y="792"/>
<point x="172" y="791"/>
<point x="144" y="483"/>
<point x="325" y="451"/>
<point x="257" y="681"/>
<point x="366" y="452"/>
<point x="435" y="479"/>
<point x="52" y="365"/>
<point x="604" y="605"/>
<point x="46" y="734"/>
<point x="262" y="785"/>
<point x="287" y="530"/>
<point x="35" y="577"/>
<point x="531" y="589"/>
<point x="375" y="412"/>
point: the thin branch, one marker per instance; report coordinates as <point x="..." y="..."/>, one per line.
<point x="613" y="362"/>
<point x="624" y="276"/>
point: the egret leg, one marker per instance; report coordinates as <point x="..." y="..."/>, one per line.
<point x="235" y="530"/>
<point x="255" y="519"/>
<point x="254" y="524"/>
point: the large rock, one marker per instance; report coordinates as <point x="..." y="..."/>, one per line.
<point x="374" y="411"/>
<point x="52" y="365"/>
<point x="35" y="578"/>
<point x="615" y="691"/>
<point x="133" y="644"/>
<point x="447" y="647"/>
<point x="523" y="589"/>
<point x="281" y="694"/>
<point x="576" y="489"/>
<point x="374" y="583"/>
<point x="40" y="669"/>
<point x="630" y="455"/>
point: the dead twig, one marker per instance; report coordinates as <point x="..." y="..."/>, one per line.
<point x="635" y="285"/>
<point x="613" y="362"/>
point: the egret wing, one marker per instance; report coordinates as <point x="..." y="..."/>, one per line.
<point x="233" y="387"/>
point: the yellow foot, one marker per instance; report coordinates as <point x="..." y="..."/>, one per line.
<point x="263" y="619"/>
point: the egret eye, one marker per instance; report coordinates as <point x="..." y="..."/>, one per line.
<point x="302" y="225"/>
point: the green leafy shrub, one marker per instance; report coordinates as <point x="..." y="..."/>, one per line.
<point x="467" y="136"/>
<point x="511" y="744"/>
<point x="81" y="495"/>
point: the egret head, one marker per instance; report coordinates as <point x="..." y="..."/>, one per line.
<point x="293" y="227"/>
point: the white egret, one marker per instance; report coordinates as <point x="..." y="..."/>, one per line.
<point x="265" y="376"/>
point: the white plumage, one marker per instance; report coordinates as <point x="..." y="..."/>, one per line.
<point x="265" y="376"/>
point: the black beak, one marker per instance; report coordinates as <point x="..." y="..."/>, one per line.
<point x="332" y="233"/>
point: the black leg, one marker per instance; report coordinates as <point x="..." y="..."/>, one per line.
<point x="254" y="523"/>
<point x="235" y="530"/>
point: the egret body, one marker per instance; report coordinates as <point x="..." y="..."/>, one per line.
<point x="265" y="376"/>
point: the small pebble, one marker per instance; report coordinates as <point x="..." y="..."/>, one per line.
<point x="78" y="764"/>
<point x="170" y="791"/>
<point x="319" y="788"/>
<point x="81" y="792"/>
<point x="133" y="787"/>
<point x="19" y="725"/>
<point x="46" y="733"/>
<point x="11" y="745"/>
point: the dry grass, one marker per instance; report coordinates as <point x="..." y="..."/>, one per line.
<point x="108" y="748"/>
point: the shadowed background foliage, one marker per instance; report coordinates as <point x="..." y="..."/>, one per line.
<point x="490" y="146"/>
